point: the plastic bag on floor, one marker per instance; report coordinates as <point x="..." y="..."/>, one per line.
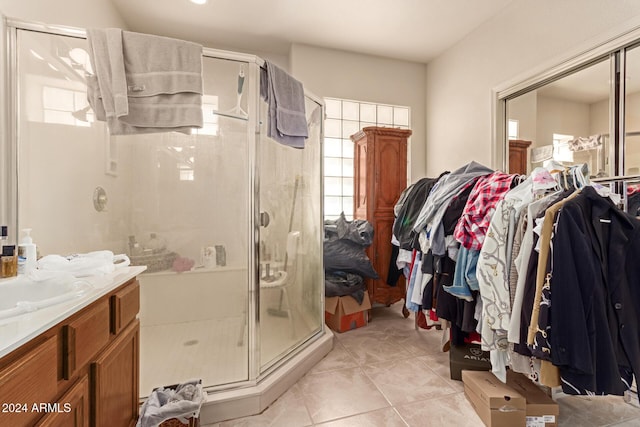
<point x="339" y="284"/>
<point x="182" y="401"/>
<point x="345" y="255"/>
<point x="358" y="231"/>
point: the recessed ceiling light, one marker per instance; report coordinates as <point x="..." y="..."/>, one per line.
<point x="199" y="1"/>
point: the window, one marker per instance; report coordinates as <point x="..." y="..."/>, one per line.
<point x="65" y="106"/>
<point x="343" y="119"/>
<point x="209" y="116"/>
<point x="513" y="129"/>
<point x="561" y="151"/>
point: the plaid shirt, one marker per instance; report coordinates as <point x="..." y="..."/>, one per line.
<point x="474" y="221"/>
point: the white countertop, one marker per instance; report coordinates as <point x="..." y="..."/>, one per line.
<point x="20" y="329"/>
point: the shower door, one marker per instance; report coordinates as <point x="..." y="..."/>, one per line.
<point x="291" y="272"/>
<point x="171" y="201"/>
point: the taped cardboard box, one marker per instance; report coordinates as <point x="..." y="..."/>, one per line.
<point x="469" y="357"/>
<point x="344" y="313"/>
<point x="497" y="404"/>
<point x="542" y="411"/>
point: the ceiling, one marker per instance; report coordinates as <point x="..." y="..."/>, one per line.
<point x="412" y="30"/>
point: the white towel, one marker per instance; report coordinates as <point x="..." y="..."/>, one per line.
<point x="145" y="83"/>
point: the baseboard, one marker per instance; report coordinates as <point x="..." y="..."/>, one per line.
<point x="238" y="403"/>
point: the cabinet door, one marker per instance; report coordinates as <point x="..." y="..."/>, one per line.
<point x="115" y="380"/>
<point x="125" y="305"/>
<point x="31" y="379"/>
<point x="390" y="172"/>
<point x="381" y="258"/>
<point x="84" y="337"/>
<point x="72" y="410"/>
<point x="360" y="186"/>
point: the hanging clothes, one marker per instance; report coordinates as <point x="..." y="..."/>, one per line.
<point x="474" y="222"/>
<point x="407" y="209"/>
<point x="596" y="297"/>
<point x="430" y="216"/>
<point x="493" y="275"/>
<point x="472" y="228"/>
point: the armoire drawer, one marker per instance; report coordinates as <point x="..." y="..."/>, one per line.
<point x="125" y="305"/>
<point x="84" y="337"/>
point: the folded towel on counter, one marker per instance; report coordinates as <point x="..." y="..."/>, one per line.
<point x="285" y="96"/>
<point x="144" y="83"/>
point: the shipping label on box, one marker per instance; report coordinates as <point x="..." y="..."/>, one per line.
<point x="542" y="411"/>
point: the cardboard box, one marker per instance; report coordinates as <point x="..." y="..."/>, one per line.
<point x="469" y="357"/>
<point x="344" y="313"/>
<point x="542" y="411"/>
<point x="497" y="404"/>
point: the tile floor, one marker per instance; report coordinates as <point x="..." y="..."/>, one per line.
<point x="388" y="374"/>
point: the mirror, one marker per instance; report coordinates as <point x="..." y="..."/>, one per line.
<point x="566" y="121"/>
<point x="632" y="112"/>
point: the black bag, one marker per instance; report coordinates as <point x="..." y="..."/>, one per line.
<point x="340" y="284"/>
<point x="347" y="256"/>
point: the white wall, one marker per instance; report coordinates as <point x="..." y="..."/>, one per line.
<point x="339" y="74"/>
<point x="560" y="116"/>
<point x="525" y="36"/>
<point x="524" y="109"/>
<point x="76" y="13"/>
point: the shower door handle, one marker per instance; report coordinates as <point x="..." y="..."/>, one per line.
<point x="264" y="219"/>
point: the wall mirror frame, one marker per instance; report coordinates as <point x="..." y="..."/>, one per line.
<point x="591" y="93"/>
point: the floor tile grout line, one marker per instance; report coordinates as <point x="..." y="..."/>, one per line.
<point x="376" y="386"/>
<point x="401" y="417"/>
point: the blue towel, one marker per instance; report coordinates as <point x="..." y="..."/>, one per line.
<point x="285" y="96"/>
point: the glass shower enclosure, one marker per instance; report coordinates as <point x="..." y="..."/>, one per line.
<point x="228" y="221"/>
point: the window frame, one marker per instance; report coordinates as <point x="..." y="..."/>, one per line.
<point x="396" y="120"/>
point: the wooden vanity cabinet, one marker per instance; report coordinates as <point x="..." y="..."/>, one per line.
<point x="83" y="371"/>
<point x="29" y="377"/>
<point x="380" y="176"/>
<point x="115" y="380"/>
<point x="73" y="408"/>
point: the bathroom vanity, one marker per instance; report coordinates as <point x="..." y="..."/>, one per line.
<point x="75" y="363"/>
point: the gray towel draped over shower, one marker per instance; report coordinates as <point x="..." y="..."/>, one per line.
<point x="285" y="96"/>
<point x="144" y="83"/>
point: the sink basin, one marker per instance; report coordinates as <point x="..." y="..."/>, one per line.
<point x="21" y="295"/>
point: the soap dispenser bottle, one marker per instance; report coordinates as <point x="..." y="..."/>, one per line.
<point x="27" y="253"/>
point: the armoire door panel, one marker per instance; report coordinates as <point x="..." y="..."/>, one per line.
<point x="391" y="169"/>
<point x="360" y="178"/>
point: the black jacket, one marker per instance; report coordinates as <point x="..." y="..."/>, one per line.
<point x="414" y="200"/>
<point x="595" y="296"/>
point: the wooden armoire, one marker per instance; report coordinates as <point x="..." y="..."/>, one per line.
<point x="380" y="176"/>
<point x="518" y="158"/>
